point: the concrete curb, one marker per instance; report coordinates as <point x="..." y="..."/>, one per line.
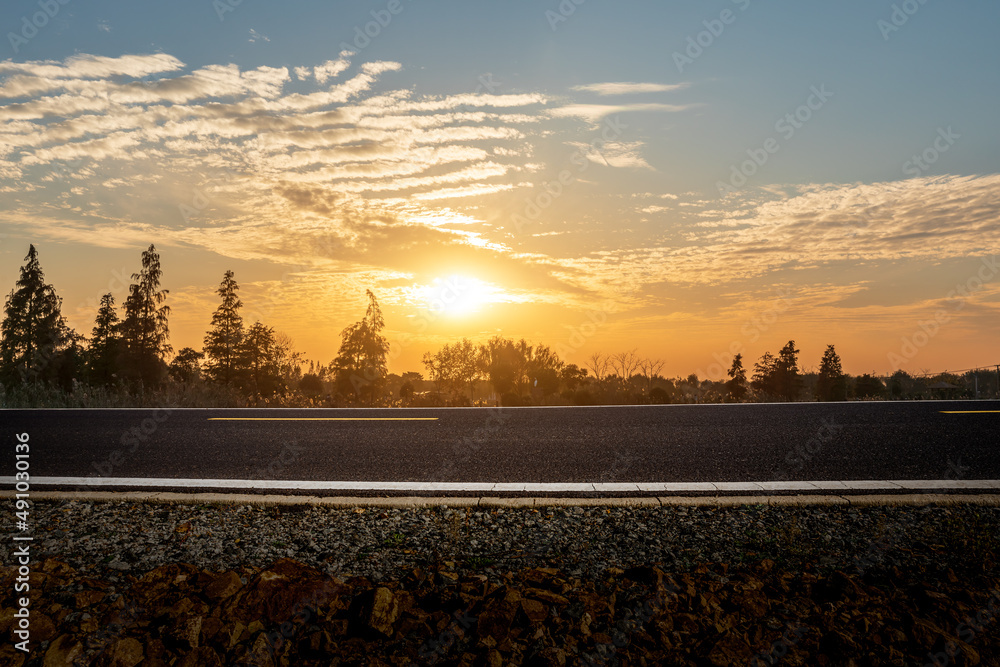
<point x="988" y="500"/>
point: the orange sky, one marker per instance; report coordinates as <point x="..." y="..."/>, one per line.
<point x="559" y="216"/>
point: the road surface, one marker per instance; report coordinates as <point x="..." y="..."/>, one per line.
<point x="700" y="448"/>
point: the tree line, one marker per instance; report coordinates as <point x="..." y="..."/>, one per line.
<point x="128" y="348"/>
<point x="42" y="361"/>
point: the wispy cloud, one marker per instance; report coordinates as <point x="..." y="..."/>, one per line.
<point x="256" y="36"/>
<point x="628" y="88"/>
<point x="593" y="113"/>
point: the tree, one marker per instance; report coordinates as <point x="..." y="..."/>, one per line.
<point x="624" y="364"/>
<point x="868" y="386"/>
<point x="831" y="384"/>
<point x="572" y="375"/>
<point x="261" y="357"/>
<point x="901" y="384"/>
<point x="598" y="365"/>
<point x="223" y="342"/>
<point x="360" y="365"/>
<point x="544" y="366"/>
<point x="650" y="369"/>
<point x="33" y="333"/>
<point x="185" y="367"/>
<point x="498" y="360"/>
<point x="105" y="343"/>
<point x="455" y="366"/>
<point x="288" y="361"/>
<point x="787" y="380"/>
<point x="145" y="333"/>
<point x="765" y="373"/>
<point x="736" y="386"/>
<point x="311" y="385"/>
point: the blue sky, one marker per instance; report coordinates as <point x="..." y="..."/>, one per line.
<point x="836" y="215"/>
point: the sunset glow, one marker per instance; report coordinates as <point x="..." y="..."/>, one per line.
<point x="525" y="183"/>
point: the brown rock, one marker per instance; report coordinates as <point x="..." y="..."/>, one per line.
<point x="224" y="586"/>
<point x="494" y="659"/>
<point x="6" y="620"/>
<point x="63" y="651"/>
<point x="42" y="627"/>
<point x="11" y="656"/>
<point x="730" y="650"/>
<point x="125" y="652"/>
<point x="202" y="656"/>
<point x="765" y="565"/>
<point x="926" y="633"/>
<point x="57" y="567"/>
<point x="282" y="590"/>
<point x="235" y="635"/>
<point x="549" y="657"/>
<point x="85" y="599"/>
<point x="546" y="596"/>
<point x="260" y="652"/>
<point x="212" y="630"/>
<point x="378" y="611"/>
<point x="498" y="614"/>
<point x="534" y="610"/>
<point x="156" y="583"/>
<point x="186" y="632"/>
<point x="543" y="577"/>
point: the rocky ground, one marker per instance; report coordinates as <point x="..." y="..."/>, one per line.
<point x="133" y="583"/>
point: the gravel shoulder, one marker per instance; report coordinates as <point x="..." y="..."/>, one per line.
<point x="876" y="585"/>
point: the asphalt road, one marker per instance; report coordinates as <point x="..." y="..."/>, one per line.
<point x="671" y="443"/>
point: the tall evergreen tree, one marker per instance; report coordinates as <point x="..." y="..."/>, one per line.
<point x="765" y="373"/>
<point x="33" y="332"/>
<point x="223" y="342"/>
<point x="788" y="382"/>
<point x="736" y="386"/>
<point x="145" y="333"/>
<point x="831" y="384"/>
<point x="360" y="365"/>
<point x="105" y="343"/>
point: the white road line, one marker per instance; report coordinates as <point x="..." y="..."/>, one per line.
<point x="543" y="487"/>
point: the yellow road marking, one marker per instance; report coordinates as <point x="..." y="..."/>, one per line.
<point x="322" y="419"/>
<point x="968" y="412"/>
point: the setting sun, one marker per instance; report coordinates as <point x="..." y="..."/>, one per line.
<point x="457" y="295"/>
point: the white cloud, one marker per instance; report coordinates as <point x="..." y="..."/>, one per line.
<point x="256" y="36"/>
<point x="621" y="154"/>
<point x="628" y="88"/>
<point x="593" y="113"/>
<point x="332" y="68"/>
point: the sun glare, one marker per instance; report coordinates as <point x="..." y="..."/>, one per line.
<point x="457" y="295"/>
